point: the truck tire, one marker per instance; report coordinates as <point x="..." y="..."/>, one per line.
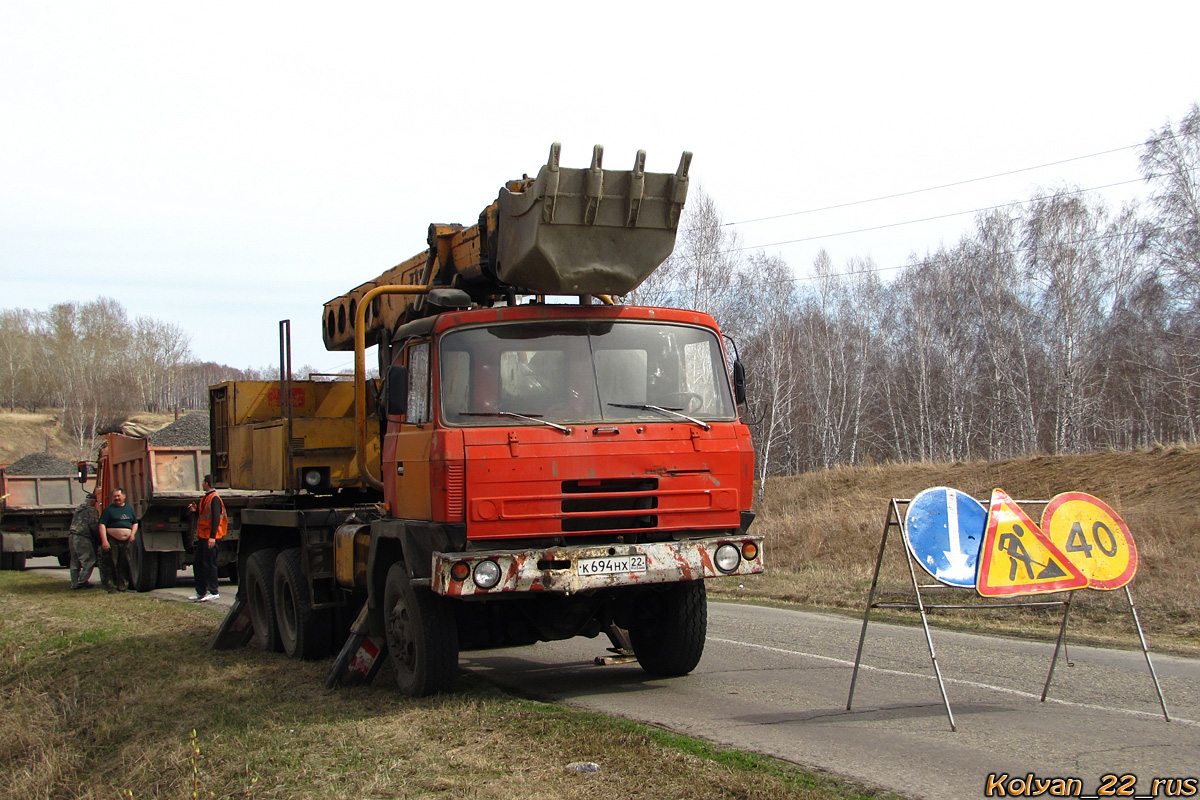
<point x="16" y="561"/>
<point x="668" y="635"/>
<point x="64" y="559"/>
<point x="168" y="570"/>
<point x="421" y="635"/>
<point x="260" y="595"/>
<point x="143" y="564"/>
<point x="304" y="632"/>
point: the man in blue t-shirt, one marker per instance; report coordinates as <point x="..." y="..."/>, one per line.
<point x="118" y="526"/>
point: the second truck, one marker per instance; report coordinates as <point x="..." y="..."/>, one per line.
<point x="521" y="471"/>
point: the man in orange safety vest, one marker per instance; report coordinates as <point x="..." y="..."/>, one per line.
<point x="211" y="524"/>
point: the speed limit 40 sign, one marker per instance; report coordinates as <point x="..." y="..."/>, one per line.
<point x="1093" y="537"/>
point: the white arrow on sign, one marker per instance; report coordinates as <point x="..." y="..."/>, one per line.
<point x="959" y="570"/>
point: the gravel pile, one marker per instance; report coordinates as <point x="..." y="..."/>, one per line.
<point x="190" y="430"/>
<point x="40" y="464"/>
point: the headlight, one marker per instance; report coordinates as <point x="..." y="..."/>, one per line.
<point x="312" y="478"/>
<point x="727" y="558"/>
<point x="487" y="574"/>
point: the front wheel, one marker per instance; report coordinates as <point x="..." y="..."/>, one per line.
<point x="668" y="634"/>
<point x="421" y="635"/>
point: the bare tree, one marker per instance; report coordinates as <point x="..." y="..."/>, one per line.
<point x="1169" y="162"/>
<point x="18" y="348"/>
<point x="1063" y="259"/>
<point x="701" y="272"/>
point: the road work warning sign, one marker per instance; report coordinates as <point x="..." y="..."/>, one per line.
<point x="1017" y="558"/>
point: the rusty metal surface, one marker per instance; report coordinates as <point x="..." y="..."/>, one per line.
<point x="556" y="569"/>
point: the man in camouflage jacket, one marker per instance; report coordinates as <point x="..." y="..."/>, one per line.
<point x="85" y="535"/>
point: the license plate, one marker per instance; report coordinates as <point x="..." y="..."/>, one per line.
<point x="611" y="565"/>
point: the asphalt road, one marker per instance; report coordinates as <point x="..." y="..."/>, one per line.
<point x="777" y="682"/>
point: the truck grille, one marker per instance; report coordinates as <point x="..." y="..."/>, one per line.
<point x="597" y="505"/>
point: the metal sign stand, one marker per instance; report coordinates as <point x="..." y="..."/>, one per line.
<point x="896" y="520"/>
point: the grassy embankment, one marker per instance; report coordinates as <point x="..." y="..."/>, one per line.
<point x="823" y="531"/>
<point x="100" y="695"/>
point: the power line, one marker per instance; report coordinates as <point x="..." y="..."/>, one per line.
<point x="1017" y="251"/>
<point x="951" y="185"/>
<point x="926" y="219"/>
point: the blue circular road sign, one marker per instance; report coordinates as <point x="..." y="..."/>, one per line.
<point x="943" y="530"/>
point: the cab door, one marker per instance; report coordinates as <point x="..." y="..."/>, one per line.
<point x="413" y="437"/>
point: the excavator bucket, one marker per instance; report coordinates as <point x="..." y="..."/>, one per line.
<point x="588" y="231"/>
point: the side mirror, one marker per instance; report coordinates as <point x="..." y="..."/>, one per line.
<point x="739" y="382"/>
<point x="82" y="467"/>
<point x="397" y="391"/>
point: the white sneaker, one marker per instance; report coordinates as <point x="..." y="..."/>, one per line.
<point x="208" y="597"/>
<point x="196" y="598"/>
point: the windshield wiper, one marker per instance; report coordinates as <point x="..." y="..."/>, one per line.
<point x="670" y="412"/>
<point x="567" y="431"/>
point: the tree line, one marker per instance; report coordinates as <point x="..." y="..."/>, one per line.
<point x="96" y="366"/>
<point x="1064" y="326"/>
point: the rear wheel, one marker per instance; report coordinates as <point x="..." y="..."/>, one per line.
<point x="421" y="635"/>
<point x="668" y="635"/>
<point x="143" y="564"/>
<point x="168" y="570"/>
<point x="16" y="561"/>
<point x="303" y="631"/>
<point x="64" y="559"/>
<point x="260" y="580"/>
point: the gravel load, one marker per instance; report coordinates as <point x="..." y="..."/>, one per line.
<point x="40" y="464"/>
<point x="190" y="430"/>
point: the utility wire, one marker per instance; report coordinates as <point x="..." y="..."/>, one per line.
<point x="926" y="219"/>
<point x="867" y="271"/>
<point x="946" y="216"/>
<point x="953" y="184"/>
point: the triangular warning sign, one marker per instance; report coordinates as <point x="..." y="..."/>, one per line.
<point x="1017" y="558"/>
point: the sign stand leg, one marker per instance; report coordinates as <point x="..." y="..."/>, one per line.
<point x="1059" y="644"/>
<point x="894" y="519"/>
<point x="1146" y="652"/>
<point x="887" y="524"/>
<point x="928" y="636"/>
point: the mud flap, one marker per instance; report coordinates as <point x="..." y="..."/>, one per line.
<point x="236" y="630"/>
<point x="360" y="658"/>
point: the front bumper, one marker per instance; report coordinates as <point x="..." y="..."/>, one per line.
<point x="557" y="569"/>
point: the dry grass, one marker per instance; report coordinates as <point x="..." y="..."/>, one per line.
<point x="823" y="531"/>
<point x="100" y="695"/>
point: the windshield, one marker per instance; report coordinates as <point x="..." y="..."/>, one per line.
<point x="582" y="372"/>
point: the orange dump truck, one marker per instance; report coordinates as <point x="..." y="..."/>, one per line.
<point x="523" y="471"/>
<point x="159" y="483"/>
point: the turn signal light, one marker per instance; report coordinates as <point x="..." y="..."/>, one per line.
<point x="749" y="551"/>
<point x="460" y="571"/>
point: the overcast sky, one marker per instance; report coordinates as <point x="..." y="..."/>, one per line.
<point x="223" y="166"/>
